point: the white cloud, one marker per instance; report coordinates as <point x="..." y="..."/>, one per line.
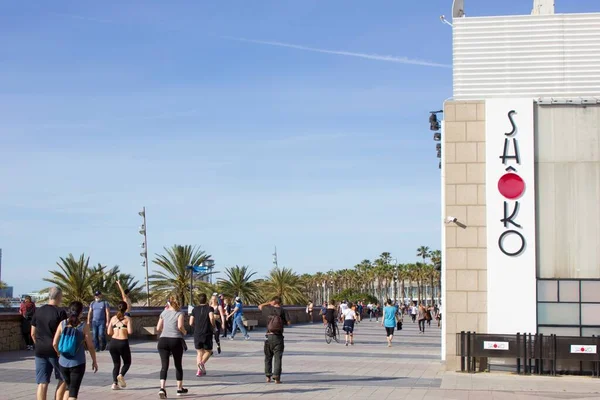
<point x="376" y="57"/>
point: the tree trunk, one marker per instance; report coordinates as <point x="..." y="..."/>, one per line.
<point x="402" y="291"/>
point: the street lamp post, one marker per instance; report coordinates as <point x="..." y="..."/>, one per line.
<point x="144" y="253"/>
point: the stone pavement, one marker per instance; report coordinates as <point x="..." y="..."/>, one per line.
<point x="312" y="369"/>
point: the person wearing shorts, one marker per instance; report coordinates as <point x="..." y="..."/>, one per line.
<point x="44" y="324"/>
<point x="389" y="321"/>
<point x="203" y="321"/>
<point x="349" y="316"/>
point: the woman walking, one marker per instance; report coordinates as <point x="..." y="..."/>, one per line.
<point x="27" y="310"/>
<point x="389" y="321"/>
<point x="70" y="341"/>
<point x="219" y="319"/>
<point x="171" y="343"/>
<point x="422" y="317"/>
<point x="349" y="316"/>
<point x="120" y="327"/>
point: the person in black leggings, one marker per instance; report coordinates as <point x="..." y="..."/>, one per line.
<point x="72" y="366"/>
<point x="168" y="347"/>
<point x="120" y="327"/>
<point x="171" y="342"/>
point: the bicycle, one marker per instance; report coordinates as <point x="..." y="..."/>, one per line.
<point x="331" y="333"/>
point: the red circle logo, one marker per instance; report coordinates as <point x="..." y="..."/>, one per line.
<point x="495" y="346"/>
<point x="511" y="186"/>
<point x="583" y="349"/>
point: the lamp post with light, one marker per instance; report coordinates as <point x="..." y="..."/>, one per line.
<point x="144" y="253"/>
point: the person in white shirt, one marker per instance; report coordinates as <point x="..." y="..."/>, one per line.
<point x="370" y="310"/>
<point x="413" y="312"/>
<point x="343" y="306"/>
<point x="349" y="315"/>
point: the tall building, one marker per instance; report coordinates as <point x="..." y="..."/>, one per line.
<point x="521" y="176"/>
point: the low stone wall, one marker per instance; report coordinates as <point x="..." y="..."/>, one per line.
<point x="11" y="338"/>
<point x="10" y="332"/>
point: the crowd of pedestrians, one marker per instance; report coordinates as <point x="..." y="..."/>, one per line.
<point x="61" y="338"/>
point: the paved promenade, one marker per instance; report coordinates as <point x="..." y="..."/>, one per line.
<point x="312" y="369"/>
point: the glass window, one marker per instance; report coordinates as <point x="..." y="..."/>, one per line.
<point x="590" y="291"/>
<point x="569" y="291"/>
<point x="590" y="314"/>
<point x="591" y="332"/>
<point x="547" y="291"/>
<point x="547" y="330"/>
<point x="558" y="314"/>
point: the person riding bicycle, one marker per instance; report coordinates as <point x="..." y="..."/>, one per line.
<point x="330" y="317"/>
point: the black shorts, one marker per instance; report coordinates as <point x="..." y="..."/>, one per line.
<point x="204" y="342"/>
<point x="349" y="326"/>
<point x="389" y="331"/>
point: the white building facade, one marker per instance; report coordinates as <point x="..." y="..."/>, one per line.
<point x="521" y="175"/>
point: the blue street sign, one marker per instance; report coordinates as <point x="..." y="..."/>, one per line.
<point x="198" y="269"/>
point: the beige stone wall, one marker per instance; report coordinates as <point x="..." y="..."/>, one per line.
<point x="466" y="269"/>
<point x="10" y="334"/>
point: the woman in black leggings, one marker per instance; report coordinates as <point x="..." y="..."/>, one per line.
<point x="120" y="327"/>
<point x="72" y="358"/>
<point x="171" y="342"/>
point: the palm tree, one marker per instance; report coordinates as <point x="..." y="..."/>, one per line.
<point x="424" y="252"/>
<point x="402" y="275"/>
<point x="5" y="302"/>
<point x="174" y="277"/>
<point x="106" y="282"/>
<point x="239" y="283"/>
<point x="285" y="283"/>
<point x="436" y="258"/>
<point x="74" y="278"/>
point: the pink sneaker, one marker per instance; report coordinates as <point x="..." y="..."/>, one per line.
<point x="199" y="373"/>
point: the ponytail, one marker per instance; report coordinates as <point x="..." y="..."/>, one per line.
<point x="174" y="303"/>
<point x="121" y="309"/>
<point x="75" y="309"/>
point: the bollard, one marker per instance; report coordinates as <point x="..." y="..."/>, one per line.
<point x="541" y="354"/>
<point x="462" y="351"/>
<point x="469" y="351"/>
<point x="518" y="356"/>
<point x="530" y="355"/>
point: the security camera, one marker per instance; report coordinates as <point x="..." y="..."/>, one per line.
<point x="450" y="220"/>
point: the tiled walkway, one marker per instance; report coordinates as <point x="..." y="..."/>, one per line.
<point x="312" y="369"/>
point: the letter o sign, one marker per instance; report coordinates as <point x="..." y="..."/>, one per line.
<point x="520" y="244"/>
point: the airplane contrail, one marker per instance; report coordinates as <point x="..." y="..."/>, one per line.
<point x="376" y="57"/>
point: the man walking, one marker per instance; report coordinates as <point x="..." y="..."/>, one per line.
<point x="203" y="321"/>
<point x="238" y="322"/>
<point x="43" y="327"/>
<point x="99" y="315"/>
<point x="274" y="345"/>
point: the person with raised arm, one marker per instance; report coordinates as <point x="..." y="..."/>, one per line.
<point x="125" y="297"/>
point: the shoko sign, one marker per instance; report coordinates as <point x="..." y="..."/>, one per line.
<point x="510" y="209"/>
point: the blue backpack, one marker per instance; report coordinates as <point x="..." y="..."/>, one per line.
<point x="68" y="345"/>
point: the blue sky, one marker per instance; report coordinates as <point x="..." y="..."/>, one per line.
<point x="231" y="144"/>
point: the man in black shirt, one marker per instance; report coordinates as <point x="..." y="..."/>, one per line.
<point x="203" y="321"/>
<point x="43" y="327"/>
<point x="276" y="320"/>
